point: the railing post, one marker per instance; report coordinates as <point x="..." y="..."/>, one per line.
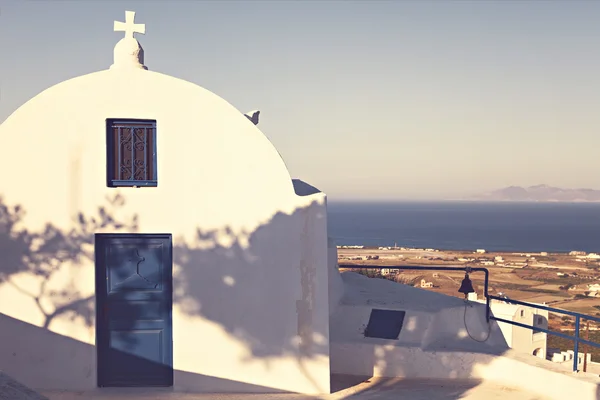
<point x="585" y="346"/>
<point x="576" y="356"/>
<point x="487" y="295"/>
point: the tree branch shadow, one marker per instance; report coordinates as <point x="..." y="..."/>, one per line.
<point x="41" y="254"/>
<point x="218" y="267"/>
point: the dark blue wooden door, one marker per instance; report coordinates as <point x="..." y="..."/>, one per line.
<point x="134" y="310"/>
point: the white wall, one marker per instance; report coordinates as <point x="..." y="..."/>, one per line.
<point x="507" y="329"/>
<point x="434" y="343"/>
<point x="522" y="339"/>
<point x="433" y="324"/>
<point x="336" y="284"/>
<point x="248" y="252"/>
<point x="519" y="338"/>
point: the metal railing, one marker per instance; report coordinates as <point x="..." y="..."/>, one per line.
<point x="575" y="338"/>
<point x="578" y="316"/>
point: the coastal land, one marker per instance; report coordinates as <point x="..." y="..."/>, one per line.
<point x="540" y="193"/>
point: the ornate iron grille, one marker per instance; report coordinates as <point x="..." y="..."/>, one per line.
<point x="131" y="153"/>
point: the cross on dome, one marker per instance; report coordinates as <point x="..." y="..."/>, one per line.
<point x="128" y="52"/>
<point x="129" y="27"/>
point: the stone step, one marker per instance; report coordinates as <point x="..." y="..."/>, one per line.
<point x="10" y="389"/>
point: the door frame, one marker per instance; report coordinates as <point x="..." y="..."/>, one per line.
<point x="101" y="294"/>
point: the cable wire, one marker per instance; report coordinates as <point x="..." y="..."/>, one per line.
<point x="467" y="305"/>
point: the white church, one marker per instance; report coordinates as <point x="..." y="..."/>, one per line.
<point x="151" y="236"/>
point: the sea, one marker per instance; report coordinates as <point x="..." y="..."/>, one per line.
<point x="503" y="227"/>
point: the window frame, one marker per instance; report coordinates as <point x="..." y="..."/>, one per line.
<point x="112" y="154"/>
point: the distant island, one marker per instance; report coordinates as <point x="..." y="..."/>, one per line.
<point x="539" y="193"/>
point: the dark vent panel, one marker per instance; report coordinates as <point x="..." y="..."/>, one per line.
<point x="385" y="324"/>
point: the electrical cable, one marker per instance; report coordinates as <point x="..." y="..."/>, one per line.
<point x="467" y="305"/>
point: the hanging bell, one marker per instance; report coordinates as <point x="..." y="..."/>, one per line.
<point x="466" y="286"/>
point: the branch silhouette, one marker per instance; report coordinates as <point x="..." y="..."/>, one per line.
<point x="43" y="253"/>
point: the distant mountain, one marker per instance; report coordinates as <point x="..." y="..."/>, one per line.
<point x="541" y="193"/>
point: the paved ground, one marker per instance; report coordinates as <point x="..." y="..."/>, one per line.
<point x="10" y="389"/>
<point x="373" y="389"/>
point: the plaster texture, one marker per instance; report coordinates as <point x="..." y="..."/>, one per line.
<point x="434" y="342"/>
<point x="250" y="255"/>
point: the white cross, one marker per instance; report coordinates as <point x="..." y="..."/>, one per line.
<point x="129" y="27"/>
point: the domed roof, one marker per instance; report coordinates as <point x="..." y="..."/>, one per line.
<point x="210" y="156"/>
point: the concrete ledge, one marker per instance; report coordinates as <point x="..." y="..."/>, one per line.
<point x="539" y="376"/>
<point x="510" y="368"/>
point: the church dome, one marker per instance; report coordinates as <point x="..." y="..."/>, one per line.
<point x="212" y="161"/>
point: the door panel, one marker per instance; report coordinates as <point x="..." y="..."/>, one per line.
<point x="134" y="308"/>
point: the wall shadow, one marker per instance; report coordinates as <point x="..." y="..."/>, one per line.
<point x="217" y="268"/>
<point x="204" y="280"/>
<point x="210" y="274"/>
<point x="432" y="362"/>
<point x="42" y="254"/>
<point x="59" y="350"/>
<point x="430" y="389"/>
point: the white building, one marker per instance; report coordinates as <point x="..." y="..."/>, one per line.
<point x="594" y="287"/>
<point x="518" y="338"/>
<point x="577" y="253"/>
<point x="425" y="284"/>
<point x="389" y="271"/>
<point x="162" y="242"/>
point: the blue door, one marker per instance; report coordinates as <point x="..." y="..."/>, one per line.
<point x="133" y="310"/>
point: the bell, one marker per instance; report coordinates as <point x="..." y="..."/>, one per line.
<point x="466" y="286"/>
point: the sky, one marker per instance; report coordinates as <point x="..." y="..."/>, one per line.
<point x="366" y="100"/>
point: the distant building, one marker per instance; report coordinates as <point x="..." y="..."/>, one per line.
<point x="522" y="339"/>
<point x="425" y="284"/>
<point x="390" y="271"/>
<point x="480" y="251"/>
<point x="566" y="357"/>
<point x="577" y="253"/>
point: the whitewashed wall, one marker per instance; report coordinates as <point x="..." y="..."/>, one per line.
<point x="247" y="248"/>
<point x="434" y="326"/>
